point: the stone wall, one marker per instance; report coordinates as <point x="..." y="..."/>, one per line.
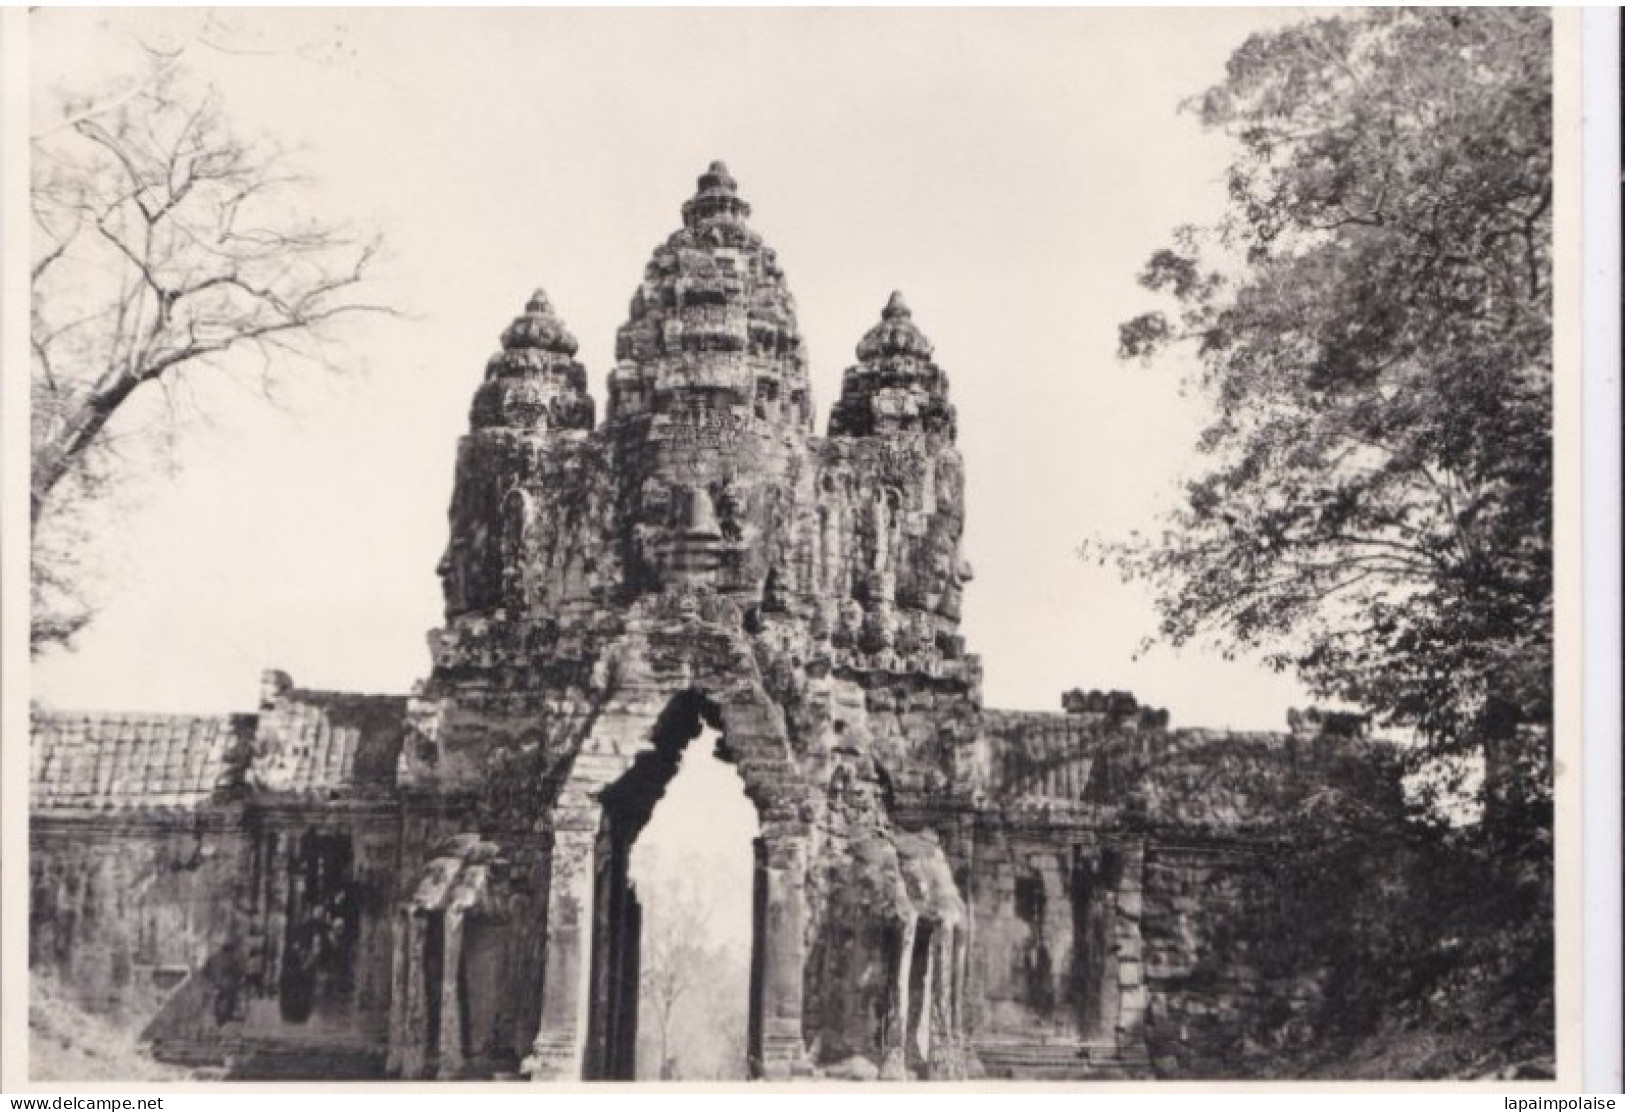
<point x="1209" y="914"/>
<point x="1123" y="888"/>
<point x="124" y="908"/>
<point x="1092" y="908"/>
<point x="224" y="882"/>
<point x="1054" y="987"/>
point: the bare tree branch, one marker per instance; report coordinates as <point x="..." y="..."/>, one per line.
<point x="198" y="250"/>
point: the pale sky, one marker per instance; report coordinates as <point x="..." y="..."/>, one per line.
<point x="703" y="827"/>
<point x="1009" y="171"/>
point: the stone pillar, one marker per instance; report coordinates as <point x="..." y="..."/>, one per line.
<point x="561" y="1036"/>
<point x="781" y="939"/>
<point x="1133" y="1000"/>
<point x="930" y="992"/>
<point x="942" y="1042"/>
<point x="959" y="845"/>
<point x="626" y="1064"/>
<point x="606" y="894"/>
<point x="451" y="1010"/>
<point x="894" y="1052"/>
<point x="406" y="1001"/>
<point x="961" y="975"/>
<point x="617" y="929"/>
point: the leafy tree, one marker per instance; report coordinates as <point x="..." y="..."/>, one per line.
<point x="1427" y="948"/>
<point x="1373" y="318"/>
<point x="164" y="246"/>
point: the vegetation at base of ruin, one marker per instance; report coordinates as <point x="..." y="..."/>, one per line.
<point x="1418" y="948"/>
<point x="164" y="246"/>
<point x="67" y="1042"/>
<point x="1444" y="951"/>
<point x="1372" y="319"/>
<point x="1373" y="322"/>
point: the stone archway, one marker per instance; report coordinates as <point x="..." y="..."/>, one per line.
<point x="589" y="1010"/>
<point x="618" y="952"/>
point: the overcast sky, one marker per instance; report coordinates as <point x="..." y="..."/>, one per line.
<point x="1010" y="171"/>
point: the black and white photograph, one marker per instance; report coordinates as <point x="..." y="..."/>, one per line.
<point x="867" y="547"/>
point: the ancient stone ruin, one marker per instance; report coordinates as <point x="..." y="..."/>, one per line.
<point x="435" y="885"/>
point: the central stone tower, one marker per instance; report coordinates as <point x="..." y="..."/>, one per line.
<point x="709" y="407"/>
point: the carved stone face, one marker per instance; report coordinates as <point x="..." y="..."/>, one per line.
<point x="451" y="584"/>
<point x="708" y="403"/>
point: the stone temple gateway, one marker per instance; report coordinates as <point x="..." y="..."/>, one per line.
<point x="435" y="885"/>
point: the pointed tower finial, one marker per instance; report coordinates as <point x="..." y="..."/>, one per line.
<point x="895" y="335"/>
<point x="534" y="382"/>
<point x="717" y="198"/>
<point x="895" y="387"/>
<point x="539" y="327"/>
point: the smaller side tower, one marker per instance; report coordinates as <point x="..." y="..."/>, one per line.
<point x="534" y="396"/>
<point x="895" y="388"/>
<point x="891" y="504"/>
<point x="534" y="383"/>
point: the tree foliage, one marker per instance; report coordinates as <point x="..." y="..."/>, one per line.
<point x="164" y="245"/>
<point x="1373" y="320"/>
<point x="1416" y="950"/>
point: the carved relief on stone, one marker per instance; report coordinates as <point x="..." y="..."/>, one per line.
<point x="518" y="512"/>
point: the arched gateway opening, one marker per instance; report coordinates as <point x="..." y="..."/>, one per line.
<point x="593" y="945"/>
<point x="667" y="955"/>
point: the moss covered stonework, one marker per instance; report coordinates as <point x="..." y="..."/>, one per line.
<point x="436" y="885"/>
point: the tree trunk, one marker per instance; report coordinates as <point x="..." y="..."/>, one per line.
<point x="53" y="461"/>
